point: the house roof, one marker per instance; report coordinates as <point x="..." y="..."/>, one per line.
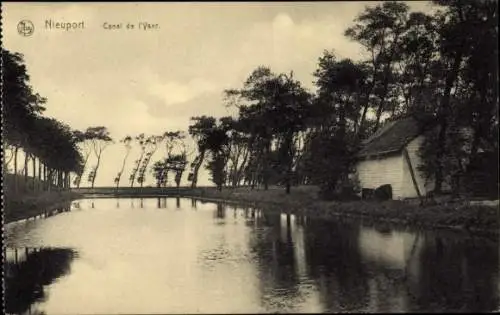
<point x="391" y="138"/>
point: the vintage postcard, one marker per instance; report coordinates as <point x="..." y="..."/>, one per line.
<point x="250" y="157"/>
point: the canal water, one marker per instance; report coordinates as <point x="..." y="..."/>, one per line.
<point x="158" y="255"/>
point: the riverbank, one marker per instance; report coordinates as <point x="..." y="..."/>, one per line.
<point x="24" y="206"/>
<point x="457" y="215"/>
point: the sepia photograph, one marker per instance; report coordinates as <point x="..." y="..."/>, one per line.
<point x="250" y="157"/>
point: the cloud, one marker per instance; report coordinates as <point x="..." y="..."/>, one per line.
<point x="282" y="23"/>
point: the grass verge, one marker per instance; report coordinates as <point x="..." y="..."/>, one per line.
<point x="24" y="206"/>
<point x="459" y="215"/>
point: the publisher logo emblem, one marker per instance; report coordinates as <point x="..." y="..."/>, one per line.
<point x="25" y="28"/>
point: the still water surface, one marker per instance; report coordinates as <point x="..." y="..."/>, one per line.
<point x="109" y="256"/>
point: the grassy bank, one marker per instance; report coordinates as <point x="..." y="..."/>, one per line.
<point x="303" y="200"/>
<point x="23" y="206"/>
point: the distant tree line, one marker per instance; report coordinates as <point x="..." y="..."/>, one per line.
<point x="49" y="146"/>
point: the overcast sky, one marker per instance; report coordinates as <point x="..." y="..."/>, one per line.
<point x="151" y="81"/>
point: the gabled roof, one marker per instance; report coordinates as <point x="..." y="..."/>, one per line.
<point x="391" y="138"/>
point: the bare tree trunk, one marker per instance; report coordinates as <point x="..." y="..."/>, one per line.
<point x="44" y="177"/>
<point x="380" y="109"/>
<point x="40" y="183"/>
<point x="33" y="180"/>
<point x="26" y="170"/>
<point x="367" y="99"/>
<point x="15" y="169"/>
<point x="240" y="170"/>
<point x="386" y="81"/>
<point x="178" y="177"/>
<point x="444" y="111"/>
<point x="95" y="170"/>
<point x="196" y="169"/>
<point x="363" y="117"/>
<point x="478" y="128"/>
<point x="132" y="176"/>
<point x="122" y="169"/>
<point x="49" y="179"/>
<point x="265" y="173"/>
<point x="80" y="175"/>
<point x="381" y="105"/>
<point x="357" y="101"/>
<point x="289" y="161"/>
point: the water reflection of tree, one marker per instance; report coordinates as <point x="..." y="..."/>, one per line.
<point x="64" y="207"/>
<point x="220" y="213"/>
<point x="450" y="274"/>
<point x="276" y="261"/>
<point x="25" y="280"/>
<point x="161" y="202"/>
<point x="458" y="274"/>
<point x="335" y="262"/>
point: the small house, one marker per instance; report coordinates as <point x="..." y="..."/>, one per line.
<point x="390" y="156"/>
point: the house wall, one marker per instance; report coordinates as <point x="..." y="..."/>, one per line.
<point x="394" y="170"/>
<point x="407" y="187"/>
<point x="386" y="170"/>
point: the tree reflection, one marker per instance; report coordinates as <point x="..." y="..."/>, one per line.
<point x="220" y="213"/>
<point x="275" y="257"/>
<point x="335" y="262"/>
<point x="453" y="273"/>
<point x="25" y="280"/>
<point x="161" y="202"/>
<point x="458" y="274"/>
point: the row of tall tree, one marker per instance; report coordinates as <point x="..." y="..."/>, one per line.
<point x="440" y="68"/>
<point x="49" y="146"/>
<point x="50" y="149"/>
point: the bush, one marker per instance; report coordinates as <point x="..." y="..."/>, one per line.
<point x="481" y="178"/>
<point x="346" y="190"/>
